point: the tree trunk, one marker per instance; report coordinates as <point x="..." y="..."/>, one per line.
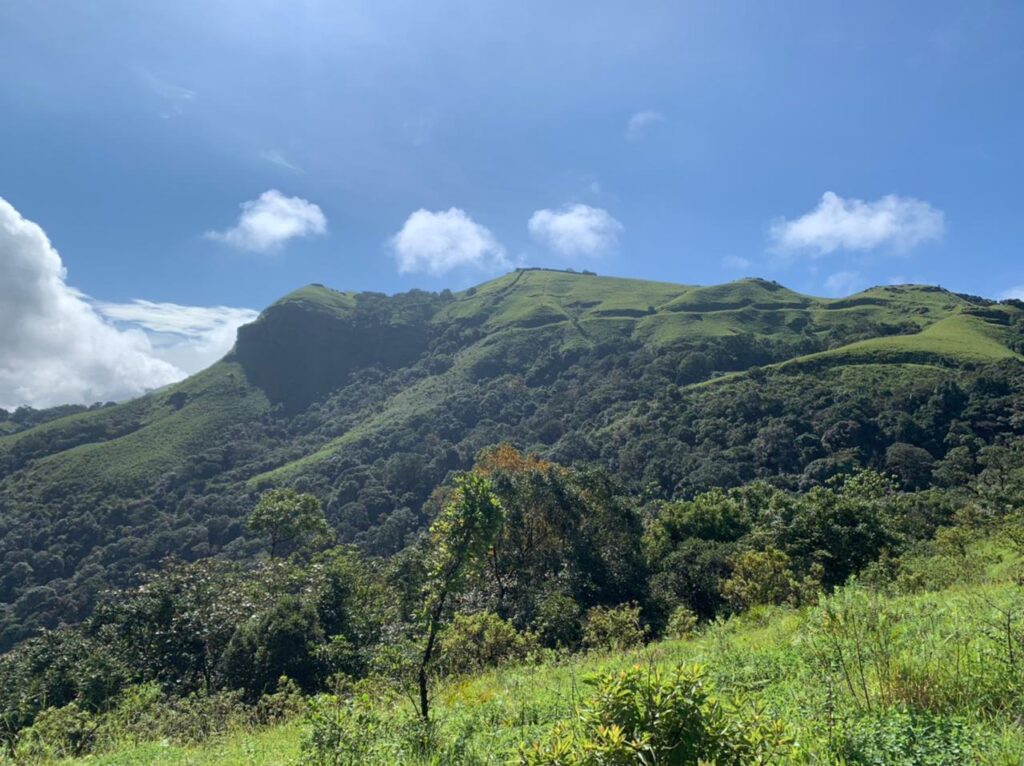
<point x="428" y="653"/>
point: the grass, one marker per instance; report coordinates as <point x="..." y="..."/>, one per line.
<point x="520" y="312"/>
<point x="531" y="309"/>
<point x="270" y="747"/>
<point x="958" y="340"/>
<point x="933" y="658"/>
<point x="322" y="298"/>
<point x="135" y="443"/>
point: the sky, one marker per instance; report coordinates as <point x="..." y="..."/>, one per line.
<point x="169" y="168"/>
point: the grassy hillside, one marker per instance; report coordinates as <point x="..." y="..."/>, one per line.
<point x="926" y="685"/>
<point x="370" y="401"/>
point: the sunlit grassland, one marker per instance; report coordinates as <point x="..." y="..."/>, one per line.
<point x="932" y="659"/>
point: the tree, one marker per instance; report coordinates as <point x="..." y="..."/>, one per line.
<point x="280" y="641"/>
<point x="911" y="464"/>
<point x="460" y="538"/>
<point x="285" y="517"/>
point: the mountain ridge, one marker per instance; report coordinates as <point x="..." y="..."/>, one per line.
<point x="370" y="401"/>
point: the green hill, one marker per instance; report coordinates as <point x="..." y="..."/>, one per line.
<point x="369" y="401"/>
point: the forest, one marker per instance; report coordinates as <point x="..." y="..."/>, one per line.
<point x="531" y="564"/>
<point x="553" y="519"/>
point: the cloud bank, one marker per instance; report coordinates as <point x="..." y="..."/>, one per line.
<point x="268" y="223"/>
<point x="58" y="347"/>
<point x="437" y="242"/>
<point x="576" y="231"/>
<point x="898" y="223"/>
<point x="189" y="337"/>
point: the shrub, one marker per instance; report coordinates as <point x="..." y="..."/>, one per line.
<point x="613" y="628"/>
<point x="855" y="635"/>
<point x="284" y="703"/>
<point x="761" y="577"/>
<point x="558" y="621"/>
<point x="899" y="738"/>
<point x="681" y="623"/>
<point x="641" y="716"/>
<point x="199" y="716"/>
<point x="482" y="640"/>
<point x="57" y="733"/>
<point x="346" y="729"/>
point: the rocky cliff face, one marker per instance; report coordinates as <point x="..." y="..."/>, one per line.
<point x="307" y="344"/>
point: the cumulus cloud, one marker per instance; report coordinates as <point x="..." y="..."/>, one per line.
<point x="736" y="263"/>
<point x="640" y="123"/>
<point x="576" y="230"/>
<point x="898" y="223"/>
<point x="844" y="283"/>
<point x="437" y="242"/>
<point x="57" y="346"/>
<point x="189" y="337"/>
<point x="269" y="222"/>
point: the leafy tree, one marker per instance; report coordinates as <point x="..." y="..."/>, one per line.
<point x="567" y="530"/>
<point x="281" y="641"/>
<point x="911" y="464"/>
<point x="175" y="626"/>
<point x="284" y="517"/>
<point x="460" y="539"/>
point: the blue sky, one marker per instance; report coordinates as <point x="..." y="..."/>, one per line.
<point x="390" y="145"/>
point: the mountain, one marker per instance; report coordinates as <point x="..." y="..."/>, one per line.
<point x="369" y="401"/>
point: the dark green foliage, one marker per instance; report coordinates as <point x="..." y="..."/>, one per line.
<point x="288" y="519"/>
<point x="568" y="535"/>
<point x="368" y="402"/>
<point x="281" y="641"/>
<point x="53" y="670"/>
<point x="175" y="627"/>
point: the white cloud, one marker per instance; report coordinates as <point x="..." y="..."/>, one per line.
<point x="576" y="230"/>
<point x="1014" y="292"/>
<point x="275" y="157"/>
<point x="736" y="263"/>
<point x="640" y="122"/>
<point x="54" y="347"/>
<point x="437" y="242"/>
<point x="844" y="283"/>
<point x="267" y="223"/>
<point x="58" y="347"/>
<point x="899" y="223"/>
<point x="189" y="337"/>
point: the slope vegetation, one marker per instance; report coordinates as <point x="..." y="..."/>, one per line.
<point x="369" y="401"/>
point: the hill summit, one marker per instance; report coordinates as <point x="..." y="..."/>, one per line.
<point x="369" y="401"/>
